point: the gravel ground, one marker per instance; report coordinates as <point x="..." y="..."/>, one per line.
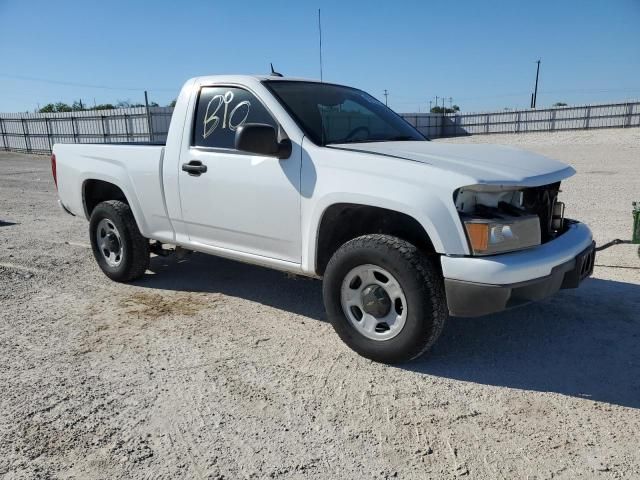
<point x="207" y="368"/>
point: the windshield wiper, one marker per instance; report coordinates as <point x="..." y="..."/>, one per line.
<point x="349" y="141"/>
<point x="399" y="138"/>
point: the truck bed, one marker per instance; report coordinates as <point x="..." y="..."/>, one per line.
<point x="135" y="167"/>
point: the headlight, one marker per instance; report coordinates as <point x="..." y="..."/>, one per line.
<point x="505" y="233"/>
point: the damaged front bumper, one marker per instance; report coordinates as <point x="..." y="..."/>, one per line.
<point x="481" y="285"/>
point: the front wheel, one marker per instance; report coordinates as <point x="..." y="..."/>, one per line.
<point x="384" y="298"/>
<point x="120" y="250"/>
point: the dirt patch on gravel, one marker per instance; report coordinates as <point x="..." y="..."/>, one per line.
<point x="155" y="305"/>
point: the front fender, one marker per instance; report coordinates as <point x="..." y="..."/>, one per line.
<point x="436" y="218"/>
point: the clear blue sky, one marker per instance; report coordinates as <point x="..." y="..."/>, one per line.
<point x="481" y="53"/>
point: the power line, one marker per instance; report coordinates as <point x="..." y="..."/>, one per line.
<point x="583" y="91"/>
<point x="83" y="85"/>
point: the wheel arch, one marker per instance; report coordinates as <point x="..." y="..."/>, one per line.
<point x="344" y="221"/>
<point x="96" y="190"/>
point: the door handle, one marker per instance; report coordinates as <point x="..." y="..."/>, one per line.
<point x="194" y="168"/>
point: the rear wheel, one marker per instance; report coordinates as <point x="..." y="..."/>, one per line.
<point x="120" y="250"/>
<point x="384" y="298"/>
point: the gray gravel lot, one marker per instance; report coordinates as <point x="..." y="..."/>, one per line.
<point x="207" y="368"/>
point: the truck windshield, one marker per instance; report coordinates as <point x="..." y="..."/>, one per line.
<point x="331" y="114"/>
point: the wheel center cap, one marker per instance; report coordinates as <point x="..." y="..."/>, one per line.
<point x="376" y="301"/>
<point x="112" y="242"/>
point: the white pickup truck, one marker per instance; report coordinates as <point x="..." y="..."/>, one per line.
<point x="323" y="180"/>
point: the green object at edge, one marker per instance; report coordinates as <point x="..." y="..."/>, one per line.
<point x="636" y="222"/>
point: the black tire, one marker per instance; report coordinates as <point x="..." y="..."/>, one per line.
<point x="420" y="281"/>
<point x="135" y="248"/>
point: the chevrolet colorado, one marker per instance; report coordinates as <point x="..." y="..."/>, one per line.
<point x="323" y="180"/>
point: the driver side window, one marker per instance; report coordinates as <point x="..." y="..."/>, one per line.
<point x="221" y="111"/>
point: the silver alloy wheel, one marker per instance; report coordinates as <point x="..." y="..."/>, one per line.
<point x="109" y="242"/>
<point x="373" y="301"/>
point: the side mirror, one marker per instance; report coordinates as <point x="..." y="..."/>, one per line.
<point x="262" y="139"/>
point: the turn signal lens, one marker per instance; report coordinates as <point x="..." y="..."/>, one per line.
<point x="478" y="236"/>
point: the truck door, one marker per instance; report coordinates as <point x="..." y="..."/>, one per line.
<point x="243" y="202"/>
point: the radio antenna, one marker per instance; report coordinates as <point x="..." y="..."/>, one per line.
<point x="320" y="34"/>
<point x="274" y="73"/>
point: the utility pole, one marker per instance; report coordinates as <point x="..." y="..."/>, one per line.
<point x="534" y="97"/>
<point x="149" y="124"/>
<point x="443" y="110"/>
<point x="386" y="94"/>
<point x="430" y="103"/>
<point x="436" y="101"/>
<point x="450" y="103"/>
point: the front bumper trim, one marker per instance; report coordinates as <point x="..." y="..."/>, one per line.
<point x="470" y="299"/>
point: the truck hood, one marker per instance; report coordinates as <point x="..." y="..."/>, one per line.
<point x="485" y="164"/>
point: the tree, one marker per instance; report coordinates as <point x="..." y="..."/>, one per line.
<point x="48" y="108"/>
<point x="62" y="107"/>
<point x="104" y="106"/>
<point x="560" y="104"/>
<point x="56" y="107"/>
<point x="172" y="103"/>
<point x="453" y="109"/>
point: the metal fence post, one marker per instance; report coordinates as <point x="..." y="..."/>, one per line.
<point x="104" y="129"/>
<point x="46" y="124"/>
<point x="5" y="145"/>
<point x="126" y="127"/>
<point x="74" y="129"/>
<point x="627" y="120"/>
<point x="552" y="125"/>
<point x="25" y="134"/>
<point x="150" y="123"/>
<point x="587" y="118"/>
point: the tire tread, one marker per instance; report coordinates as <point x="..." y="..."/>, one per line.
<point x="422" y="267"/>
<point x="140" y="255"/>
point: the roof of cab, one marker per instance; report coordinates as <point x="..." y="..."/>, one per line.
<point x="250" y="78"/>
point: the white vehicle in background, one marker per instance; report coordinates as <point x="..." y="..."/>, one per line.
<point x="325" y="181"/>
